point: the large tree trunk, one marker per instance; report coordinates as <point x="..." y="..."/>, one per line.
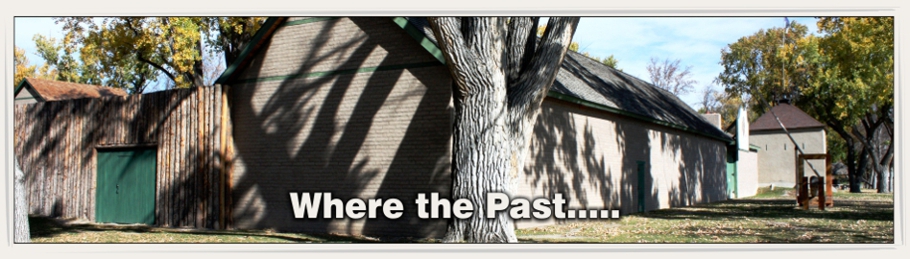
<point x="480" y="166"/>
<point x="500" y="80"/>
<point x="21" y="234"/>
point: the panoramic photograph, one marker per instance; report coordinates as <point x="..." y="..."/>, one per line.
<point x="425" y="130"/>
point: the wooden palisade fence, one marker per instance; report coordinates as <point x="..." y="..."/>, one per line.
<point x="57" y="143"/>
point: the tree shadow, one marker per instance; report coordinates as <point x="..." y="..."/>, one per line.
<point x="779" y="209"/>
<point x="688" y="169"/>
<point x="779" y="217"/>
<point x="325" y="133"/>
<point x="43" y="227"/>
<point x="57" y="144"/>
<point x="321" y="113"/>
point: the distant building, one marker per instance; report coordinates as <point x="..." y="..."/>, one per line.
<point x="777" y="155"/>
<point x="714" y="119"/>
<point x="32" y="90"/>
<point x="742" y="159"/>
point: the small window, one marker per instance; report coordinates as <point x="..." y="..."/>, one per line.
<point x="785" y="146"/>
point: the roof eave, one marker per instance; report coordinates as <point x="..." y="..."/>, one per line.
<point x="31" y="89"/>
<point x="586" y="103"/>
<point x="268" y="27"/>
<point x="434" y="50"/>
<point x="789" y="129"/>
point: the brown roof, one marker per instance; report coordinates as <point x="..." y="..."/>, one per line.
<point x="51" y="90"/>
<point x="790" y="116"/>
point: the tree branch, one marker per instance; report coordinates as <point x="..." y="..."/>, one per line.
<point x="538" y="77"/>
<point x="520" y="46"/>
<point x="156" y="66"/>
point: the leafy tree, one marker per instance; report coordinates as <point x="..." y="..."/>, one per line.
<point x="59" y="59"/>
<point x="755" y="67"/>
<point x="502" y="73"/>
<point x="853" y="88"/>
<point x="608" y="61"/>
<point x="135" y="50"/>
<point x="118" y="72"/>
<point x="843" y="78"/>
<point x="670" y="76"/>
<point x="23" y="68"/>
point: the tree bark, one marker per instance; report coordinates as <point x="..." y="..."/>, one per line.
<point x="22" y="234"/>
<point x="501" y="76"/>
<point x="199" y="67"/>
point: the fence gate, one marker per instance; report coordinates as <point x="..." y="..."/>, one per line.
<point x="126" y="186"/>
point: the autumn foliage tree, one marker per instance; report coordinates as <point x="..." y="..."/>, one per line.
<point x="853" y="92"/>
<point x="843" y="77"/>
<point x="501" y="73"/>
<point x="130" y="52"/>
<point x="23" y="68"/>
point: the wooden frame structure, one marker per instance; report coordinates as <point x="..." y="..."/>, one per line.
<point x="57" y="143"/>
<point x="812" y="190"/>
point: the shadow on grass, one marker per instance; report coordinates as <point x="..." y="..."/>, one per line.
<point x="43" y="227"/>
<point x="795" y="234"/>
<point x="779" y="209"/>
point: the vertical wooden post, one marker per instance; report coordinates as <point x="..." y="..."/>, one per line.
<point x="821" y="193"/>
<point x="227" y="145"/>
<point x="829" y="182"/>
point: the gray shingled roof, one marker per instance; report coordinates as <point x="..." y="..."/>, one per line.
<point x="592" y="81"/>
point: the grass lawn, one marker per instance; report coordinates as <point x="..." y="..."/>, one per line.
<point x="770" y="217"/>
<point x="44" y="230"/>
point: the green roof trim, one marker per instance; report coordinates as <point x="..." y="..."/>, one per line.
<point x="308" y="20"/>
<point x="601" y="107"/>
<point x="422" y="39"/>
<point x="267" y="27"/>
<point x="340" y="72"/>
<point x="31" y="90"/>
<point x="19" y="87"/>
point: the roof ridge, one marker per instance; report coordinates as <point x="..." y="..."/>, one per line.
<point x="791" y="116"/>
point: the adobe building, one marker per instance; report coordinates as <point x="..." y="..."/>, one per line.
<point x="361" y="107"/>
<point x="777" y="155"/>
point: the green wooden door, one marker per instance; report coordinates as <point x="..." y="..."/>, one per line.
<point x="731" y="181"/>
<point x="641" y="186"/>
<point x="126" y="186"/>
<point x="732" y="184"/>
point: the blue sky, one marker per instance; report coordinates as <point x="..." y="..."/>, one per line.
<point x="695" y="41"/>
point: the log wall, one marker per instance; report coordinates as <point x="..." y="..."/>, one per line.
<point x="56" y="144"/>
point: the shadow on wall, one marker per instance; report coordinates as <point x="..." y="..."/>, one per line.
<point x="584" y="168"/>
<point x="702" y="175"/>
<point x="289" y="140"/>
<point x="56" y="146"/>
<point x="601" y="180"/>
<point x="593" y="183"/>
